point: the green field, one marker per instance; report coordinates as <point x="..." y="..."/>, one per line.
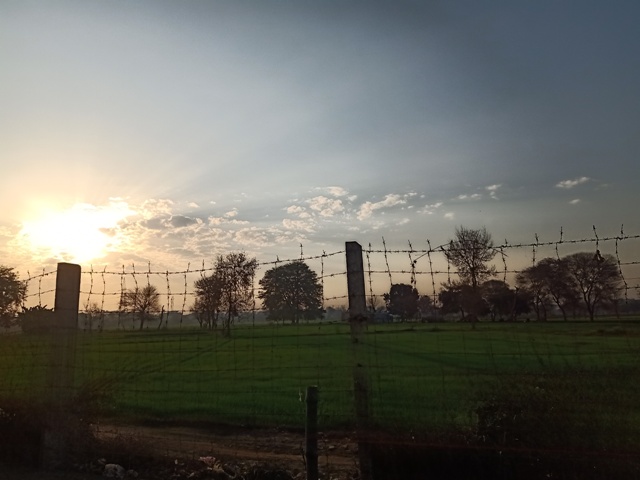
<point x="421" y="376"/>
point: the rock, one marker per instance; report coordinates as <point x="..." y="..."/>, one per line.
<point x="113" y="470"/>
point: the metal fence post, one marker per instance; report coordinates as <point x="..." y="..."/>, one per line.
<point x="61" y="371"/>
<point x="311" y="433"/>
<point x="357" y="322"/>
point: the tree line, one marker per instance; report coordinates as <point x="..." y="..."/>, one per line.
<point x="579" y="283"/>
<point x="576" y="284"/>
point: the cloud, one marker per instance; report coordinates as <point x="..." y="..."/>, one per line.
<point x="575" y="201"/>
<point x="475" y="196"/>
<point x="449" y="215"/>
<point x="293" y="209"/>
<point x="231" y="213"/>
<point x="180" y="221"/>
<point x="298" y="225"/>
<point x="326" y="207"/>
<point x="493" y="189"/>
<point x="390" y="200"/>
<point x="337" y="191"/>
<point x="572" y="183"/>
<point x="430" y="209"/>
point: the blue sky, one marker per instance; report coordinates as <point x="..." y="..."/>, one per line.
<point x="171" y="131"/>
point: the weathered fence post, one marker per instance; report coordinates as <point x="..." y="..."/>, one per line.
<point x="357" y="322"/>
<point x="63" y="348"/>
<point x="311" y="433"/>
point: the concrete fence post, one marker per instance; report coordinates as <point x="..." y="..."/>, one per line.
<point x="358" y="322"/>
<point x="61" y="370"/>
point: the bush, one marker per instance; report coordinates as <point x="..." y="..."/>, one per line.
<point x="36" y="320"/>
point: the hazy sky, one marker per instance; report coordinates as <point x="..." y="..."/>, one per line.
<point x="171" y="131"/>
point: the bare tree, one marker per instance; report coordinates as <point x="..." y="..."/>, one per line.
<point x="93" y="313"/>
<point x="469" y="252"/>
<point x="208" y="291"/>
<point x="143" y="303"/>
<point x="596" y="277"/>
<point x="235" y="273"/>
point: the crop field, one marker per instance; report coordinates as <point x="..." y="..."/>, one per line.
<point x="421" y="377"/>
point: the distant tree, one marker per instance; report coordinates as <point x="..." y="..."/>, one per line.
<point x="498" y="297"/>
<point x="291" y="292"/>
<point x="457" y="297"/>
<point x="531" y="282"/>
<point x="426" y="307"/>
<point x="92" y="314"/>
<point x="596" y="277"/>
<point x="402" y="300"/>
<point x="12" y="294"/>
<point x="235" y="272"/>
<point x="208" y="301"/>
<point x="469" y="252"/>
<point x="143" y="303"/>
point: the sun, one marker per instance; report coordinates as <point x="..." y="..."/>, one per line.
<point x="79" y="234"/>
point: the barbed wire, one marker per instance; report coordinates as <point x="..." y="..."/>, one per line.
<point x="379" y="262"/>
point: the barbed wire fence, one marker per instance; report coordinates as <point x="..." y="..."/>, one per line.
<point x="418" y="377"/>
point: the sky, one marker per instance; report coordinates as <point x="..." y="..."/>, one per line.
<point x="169" y="132"/>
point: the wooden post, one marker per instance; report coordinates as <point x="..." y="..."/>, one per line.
<point x="311" y="433"/>
<point x="357" y="322"/>
<point x="61" y="371"/>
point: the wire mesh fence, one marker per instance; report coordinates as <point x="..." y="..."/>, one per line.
<point x="429" y="378"/>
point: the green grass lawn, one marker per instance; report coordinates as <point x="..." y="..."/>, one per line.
<point x="421" y="376"/>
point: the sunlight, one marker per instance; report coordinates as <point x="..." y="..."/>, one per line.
<point x="79" y="234"/>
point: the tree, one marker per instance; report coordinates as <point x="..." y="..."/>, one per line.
<point x="92" y="313"/>
<point x="12" y="295"/>
<point x="596" y="277"/>
<point x="457" y="297"/>
<point x="208" y="291"/>
<point x="143" y="303"/>
<point x="531" y="282"/>
<point x="291" y="292"/>
<point x="235" y="272"/>
<point x="498" y="297"/>
<point x="402" y="300"/>
<point x="469" y="252"/>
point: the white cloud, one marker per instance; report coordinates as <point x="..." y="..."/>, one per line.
<point x="293" y="209"/>
<point x="572" y="183"/>
<point x="493" y="189"/>
<point x="474" y="196"/>
<point x="326" y="207"/>
<point x="575" y="201"/>
<point x="337" y="191"/>
<point x="430" y="209"/>
<point x="231" y="213"/>
<point x="297" y="225"/>
<point x="390" y="200"/>
<point x="449" y="215"/>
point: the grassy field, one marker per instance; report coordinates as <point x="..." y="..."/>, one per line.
<point x="421" y="376"/>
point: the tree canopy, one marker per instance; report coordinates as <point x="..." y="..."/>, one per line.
<point x="402" y="300"/>
<point x="12" y="294"/>
<point x="469" y="252"/>
<point x="233" y="275"/>
<point x="291" y="292"/>
<point x="143" y="303"/>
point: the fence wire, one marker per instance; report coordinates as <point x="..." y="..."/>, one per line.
<point x="434" y="379"/>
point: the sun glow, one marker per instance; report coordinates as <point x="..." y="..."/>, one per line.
<point x="79" y="234"/>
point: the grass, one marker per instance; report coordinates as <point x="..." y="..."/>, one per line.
<point x="421" y="376"/>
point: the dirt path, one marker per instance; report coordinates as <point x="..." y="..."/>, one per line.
<point x="337" y="451"/>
